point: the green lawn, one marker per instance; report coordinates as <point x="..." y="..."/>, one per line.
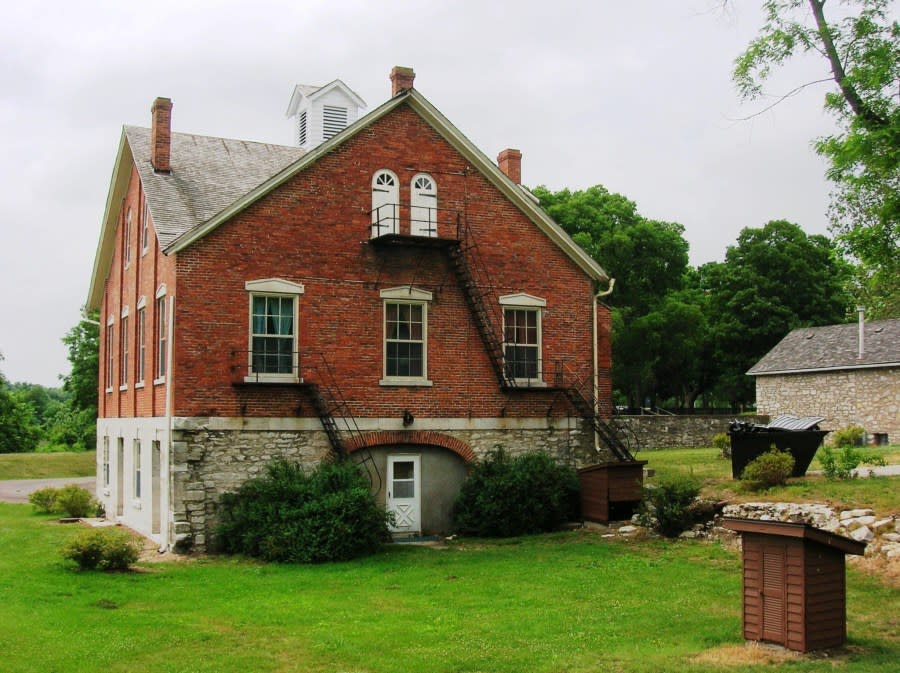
<point x="573" y="602"/>
<point x="47" y="465"/>
<point x="880" y="493"/>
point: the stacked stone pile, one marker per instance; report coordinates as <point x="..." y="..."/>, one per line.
<point x="882" y="534"/>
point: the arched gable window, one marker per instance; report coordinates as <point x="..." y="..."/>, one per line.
<point x="385" y="203"/>
<point x="423" y="202"/>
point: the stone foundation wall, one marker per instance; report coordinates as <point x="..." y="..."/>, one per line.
<point x="215" y="456"/>
<point x="673" y="432"/>
<point x="866" y="397"/>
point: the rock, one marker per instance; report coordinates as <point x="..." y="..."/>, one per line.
<point x="853" y="513"/>
<point x="625" y="530"/>
<point x="689" y="535"/>
<point x="891" y="537"/>
<point x="893" y="553"/>
<point x="862" y="534"/>
<point x="882" y="526"/>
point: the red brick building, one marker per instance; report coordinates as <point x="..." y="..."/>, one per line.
<point x="389" y="294"/>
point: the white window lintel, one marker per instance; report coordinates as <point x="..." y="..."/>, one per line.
<point x="407" y="292"/>
<point x="274" y="286"/>
<point x="124" y="311"/>
<point x="142" y="302"/>
<point x="161" y="291"/>
<point x="522" y="299"/>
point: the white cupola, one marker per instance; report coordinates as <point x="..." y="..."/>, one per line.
<point x="321" y="112"/>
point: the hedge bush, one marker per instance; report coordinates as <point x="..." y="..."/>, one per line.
<point x="290" y="516"/>
<point x="841" y="465"/>
<point x="71" y="500"/>
<point x="103" y="549"/>
<point x="667" y="506"/>
<point x="770" y="469"/>
<point x="506" y="496"/>
<point x="852" y="435"/>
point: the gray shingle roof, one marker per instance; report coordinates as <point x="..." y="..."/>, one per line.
<point x="833" y="347"/>
<point x="208" y="174"/>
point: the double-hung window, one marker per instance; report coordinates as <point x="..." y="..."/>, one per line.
<point x="110" y="354"/>
<point x="141" y="345"/>
<point x="274" y="310"/>
<point x="137" y="458"/>
<point x="405" y="336"/>
<point x="522" y="338"/>
<point x="123" y="351"/>
<point x="161" y="335"/>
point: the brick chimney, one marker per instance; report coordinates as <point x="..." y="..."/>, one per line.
<point x="510" y="162"/>
<point x="401" y="79"/>
<point x="161" y="135"/>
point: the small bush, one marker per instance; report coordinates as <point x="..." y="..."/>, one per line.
<point x="75" y="501"/>
<point x="841" y="465"/>
<point x="289" y="516"/>
<point x="44" y="500"/>
<point x="506" y="496"/>
<point x="103" y="549"/>
<point x="667" y="506"/>
<point x="770" y="469"/>
<point x="852" y="435"/>
<point x="722" y="442"/>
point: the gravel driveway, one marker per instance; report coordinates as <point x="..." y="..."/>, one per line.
<point x="18" y="490"/>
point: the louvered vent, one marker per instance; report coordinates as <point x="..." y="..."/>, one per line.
<point x="301" y="128"/>
<point x="334" y="120"/>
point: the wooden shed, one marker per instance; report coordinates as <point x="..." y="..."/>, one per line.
<point x="794" y="583"/>
<point x="611" y="491"/>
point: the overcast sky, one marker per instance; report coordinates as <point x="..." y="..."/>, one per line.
<point x="633" y="95"/>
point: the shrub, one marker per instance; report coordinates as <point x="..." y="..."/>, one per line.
<point x="506" y="496"/>
<point x="289" y="516"/>
<point x="667" y="506"/>
<point x="841" y="465"/>
<point x="722" y="442"/>
<point x="44" y="500"/>
<point x="103" y="549"/>
<point x="75" y="501"/>
<point x="852" y="435"/>
<point x="770" y="469"/>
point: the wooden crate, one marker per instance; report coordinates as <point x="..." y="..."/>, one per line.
<point x="611" y="489"/>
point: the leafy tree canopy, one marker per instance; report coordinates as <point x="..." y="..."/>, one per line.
<point x="860" y="44"/>
<point x="775" y="279"/>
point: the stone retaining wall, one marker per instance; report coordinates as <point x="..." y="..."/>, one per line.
<point x="671" y="432"/>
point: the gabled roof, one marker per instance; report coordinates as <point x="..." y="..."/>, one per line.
<point x="214" y="179"/>
<point x="833" y="347"/>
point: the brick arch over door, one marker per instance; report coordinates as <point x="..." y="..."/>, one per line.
<point x="389" y="438"/>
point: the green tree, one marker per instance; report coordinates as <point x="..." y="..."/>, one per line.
<point x="657" y="328"/>
<point x="76" y="425"/>
<point x="861" y="47"/>
<point x="18" y="431"/>
<point x="775" y="279"/>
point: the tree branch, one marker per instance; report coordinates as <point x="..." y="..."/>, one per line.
<point x="860" y="109"/>
<point x="790" y="93"/>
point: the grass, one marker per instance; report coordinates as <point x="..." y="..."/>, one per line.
<point x="572" y="602"/>
<point x="47" y="465"/>
<point x="714" y="472"/>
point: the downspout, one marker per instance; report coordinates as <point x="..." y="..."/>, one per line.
<point x="598" y="295"/>
<point x="170" y="422"/>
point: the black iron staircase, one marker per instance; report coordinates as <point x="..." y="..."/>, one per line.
<point x="478" y="291"/>
<point x="334" y="413"/>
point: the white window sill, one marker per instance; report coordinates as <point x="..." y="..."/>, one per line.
<point x="135" y="504"/>
<point x="159" y="381"/>
<point x="109" y="390"/>
<point x="123" y="387"/>
<point x="530" y="383"/>
<point x="402" y="381"/>
<point x="272" y="378"/>
<point x="139" y="385"/>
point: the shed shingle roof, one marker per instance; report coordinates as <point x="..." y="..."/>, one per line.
<point x="833" y="347"/>
<point x="208" y="174"/>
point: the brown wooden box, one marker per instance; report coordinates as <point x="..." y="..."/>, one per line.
<point x="794" y="583"/>
<point x="611" y="490"/>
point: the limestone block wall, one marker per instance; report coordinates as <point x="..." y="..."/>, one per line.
<point x="866" y="397"/>
<point x="673" y="432"/>
<point x="213" y="456"/>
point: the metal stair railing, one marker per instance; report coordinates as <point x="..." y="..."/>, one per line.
<point x="478" y="291"/>
<point x="335" y="415"/>
<point x="580" y="393"/>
